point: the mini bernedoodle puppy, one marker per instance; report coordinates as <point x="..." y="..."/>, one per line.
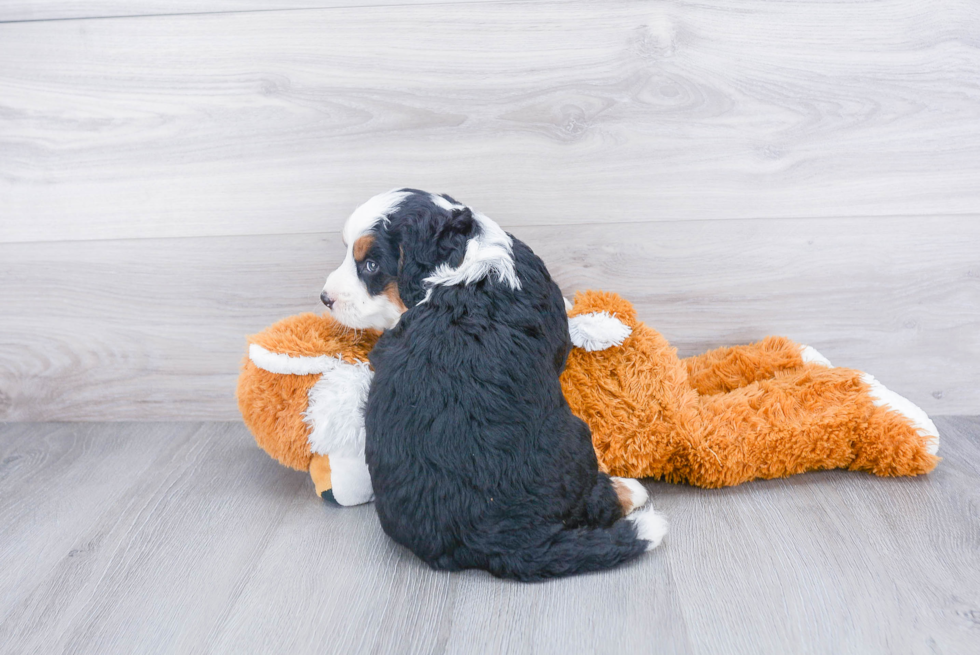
<point x="474" y="454"/>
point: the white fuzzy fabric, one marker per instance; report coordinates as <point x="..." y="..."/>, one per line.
<point x="811" y="355"/>
<point x="884" y="396"/>
<point x="490" y="252"/>
<point x="335" y="411"/>
<point x="350" y="480"/>
<point x="597" y="331"/>
<point x="289" y="365"/>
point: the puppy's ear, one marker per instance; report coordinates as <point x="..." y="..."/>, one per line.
<point x="461" y="220"/>
<point x="457" y="230"/>
<point x="426" y="242"/>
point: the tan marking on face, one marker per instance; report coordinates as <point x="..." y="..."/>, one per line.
<point x="391" y="292"/>
<point x="361" y="247"/>
<point x="624" y="495"/>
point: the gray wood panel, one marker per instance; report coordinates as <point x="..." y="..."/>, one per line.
<point x="155" y="328"/>
<point x="546" y="113"/>
<point x="177" y="538"/>
<point x="37" y="10"/>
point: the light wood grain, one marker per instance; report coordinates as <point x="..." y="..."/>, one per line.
<point x="138" y="508"/>
<point x="541" y="113"/>
<point x="155" y="329"/>
<point x="65" y="490"/>
<point x="177" y="538"/>
<point x="37" y="10"/>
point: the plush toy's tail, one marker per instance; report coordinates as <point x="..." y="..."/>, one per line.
<point x="581" y="550"/>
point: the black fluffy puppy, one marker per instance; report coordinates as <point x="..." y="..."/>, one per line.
<point x="475" y="457"/>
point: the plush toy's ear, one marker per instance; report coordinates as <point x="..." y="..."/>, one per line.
<point x="598" y="320"/>
<point x="597" y="331"/>
<point x="588" y="302"/>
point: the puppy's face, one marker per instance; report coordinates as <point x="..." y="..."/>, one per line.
<point x="402" y="243"/>
<point x="363" y="291"/>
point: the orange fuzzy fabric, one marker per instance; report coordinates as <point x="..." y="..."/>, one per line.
<point x="717" y="419"/>
<point x="730" y="415"/>
<point x="727" y="369"/>
<point x="272" y="404"/>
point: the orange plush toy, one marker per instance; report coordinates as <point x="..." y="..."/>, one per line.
<point x="766" y="410"/>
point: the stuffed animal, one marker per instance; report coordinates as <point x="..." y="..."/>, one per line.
<point x="765" y="410"/>
<point x="301" y="392"/>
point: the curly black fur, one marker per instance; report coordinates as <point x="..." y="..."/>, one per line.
<point x="474" y="454"/>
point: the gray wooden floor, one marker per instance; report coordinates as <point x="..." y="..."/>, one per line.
<point x="184" y="537"/>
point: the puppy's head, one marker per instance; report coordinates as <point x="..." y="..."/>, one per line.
<point x="402" y="243"/>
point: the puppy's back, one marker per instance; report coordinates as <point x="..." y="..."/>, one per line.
<point x="475" y="457"/>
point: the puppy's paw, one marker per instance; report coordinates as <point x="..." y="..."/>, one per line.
<point x="883" y="396"/>
<point x="632" y="495"/>
<point x="811" y="356"/>
<point x="650" y="526"/>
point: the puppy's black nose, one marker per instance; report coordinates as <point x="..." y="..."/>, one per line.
<point x="326" y="300"/>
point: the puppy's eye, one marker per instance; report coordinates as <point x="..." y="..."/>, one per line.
<point x="370" y="266"/>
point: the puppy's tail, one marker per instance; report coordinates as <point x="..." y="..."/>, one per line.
<point x="581" y="550"/>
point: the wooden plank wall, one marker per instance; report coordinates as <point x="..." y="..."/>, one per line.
<point x="171" y="181"/>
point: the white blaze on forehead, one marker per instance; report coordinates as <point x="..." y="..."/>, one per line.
<point x="371" y="213"/>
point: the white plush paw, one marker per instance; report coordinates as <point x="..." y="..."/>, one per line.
<point x="650" y="526"/>
<point x="811" y="356"/>
<point x="351" y="480"/>
<point x="637" y="492"/>
<point x="919" y="419"/>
